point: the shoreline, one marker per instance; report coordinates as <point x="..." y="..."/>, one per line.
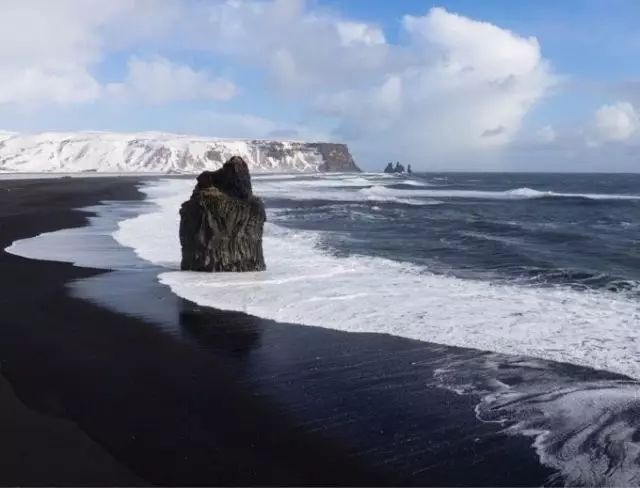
<point x="256" y="402"/>
<point x="41" y="447"/>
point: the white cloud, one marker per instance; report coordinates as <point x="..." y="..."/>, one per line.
<point x="45" y="48"/>
<point x="454" y="39"/>
<point x="48" y="51"/>
<point x="300" y="49"/>
<point x="464" y="86"/>
<point x="359" y="33"/>
<point x="457" y="86"/>
<point x="615" y="123"/>
<point x="48" y="48"/>
<point x="248" y="126"/>
<point x="160" y="81"/>
<point x="32" y="85"/>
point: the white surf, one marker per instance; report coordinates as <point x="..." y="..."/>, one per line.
<point x="306" y="284"/>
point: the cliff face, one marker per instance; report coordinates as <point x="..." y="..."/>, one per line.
<point x="336" y="157"/>
<point x="156" y="152"/>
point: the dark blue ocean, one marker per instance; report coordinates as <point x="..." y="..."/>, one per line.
<point x="578" y="230"/>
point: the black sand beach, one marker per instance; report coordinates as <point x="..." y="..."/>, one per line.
<point x="92" y="397"/>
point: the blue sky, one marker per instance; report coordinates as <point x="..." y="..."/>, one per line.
<point x="461" y="84"/>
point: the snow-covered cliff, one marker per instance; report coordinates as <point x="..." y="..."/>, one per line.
<point x="157" y="152"/>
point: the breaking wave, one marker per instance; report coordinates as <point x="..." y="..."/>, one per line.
<point x="515" y="194"/>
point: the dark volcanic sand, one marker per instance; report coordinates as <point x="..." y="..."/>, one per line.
<point x="107" y="398"/>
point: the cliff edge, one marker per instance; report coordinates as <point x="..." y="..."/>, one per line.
<point x="107" y="152"/>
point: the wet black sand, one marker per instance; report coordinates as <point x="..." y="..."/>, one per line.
<point x="106" y="398"/>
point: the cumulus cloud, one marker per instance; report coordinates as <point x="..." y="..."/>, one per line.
<point x="45" y="49"/>
<point x="615" y="123"/>
<point x="457" y="86"/>
<point x="160" y="81"/>
<point x="48" y="49"/>
<point x="48" y="52"/>
<point x="466" y="87"/>
<point x="300" y="49"/>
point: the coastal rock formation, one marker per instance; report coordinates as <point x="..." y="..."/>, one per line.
<point x="221" y="224"/>
<point x="398" y="168"/>
<point x="335" y="157"/>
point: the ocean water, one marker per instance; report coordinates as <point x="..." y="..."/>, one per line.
<point x="546" y="266"/>
<point x="538" y="273"/>
<point x="535" y="270"/>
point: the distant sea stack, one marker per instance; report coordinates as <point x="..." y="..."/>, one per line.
<point x="398" y="168"/>
<point x="221" y="224"/>
<point x="163" y="153"/>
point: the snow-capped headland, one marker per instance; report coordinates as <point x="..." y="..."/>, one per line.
<point x="162" y="153"/>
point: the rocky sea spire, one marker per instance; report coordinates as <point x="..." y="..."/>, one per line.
<point x="221" y="224"/>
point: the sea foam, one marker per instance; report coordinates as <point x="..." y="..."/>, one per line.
<point x="514" y="194"/>
<point x="306" y="284"/>
<point x="583" y="426"/>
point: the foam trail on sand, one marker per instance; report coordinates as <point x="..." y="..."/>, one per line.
<point x="583" y="425"/>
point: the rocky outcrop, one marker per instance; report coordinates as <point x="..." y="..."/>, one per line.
<point x="221" y="224"/>
<point x="335" y="157"/>
<point x="398" y="168"/>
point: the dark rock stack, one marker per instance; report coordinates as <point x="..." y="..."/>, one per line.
<point x="398" y="168"/>
<point x="221" y="224"/>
